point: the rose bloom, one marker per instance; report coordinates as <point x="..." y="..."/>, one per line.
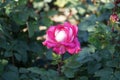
<point x="62" y="38"/>
<point x="114" y="18"/>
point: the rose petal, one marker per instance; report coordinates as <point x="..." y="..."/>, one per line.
<point x="59" y="50"/>
<point x="76" y="49"/>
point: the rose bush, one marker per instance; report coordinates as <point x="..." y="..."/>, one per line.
<point x="62" y="38"/>
<point x="23" y="24"/>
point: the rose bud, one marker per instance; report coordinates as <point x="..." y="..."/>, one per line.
<point x="114" y="18"/>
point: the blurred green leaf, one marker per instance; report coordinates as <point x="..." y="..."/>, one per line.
<point x="117" y="74"/>
<point x="32" y="27"/>
<point x="49" y="54"/>
<point x="8" y="54"/>
<point x="88" y="24"/>
<point x="47" y="1"/>
<point x="20" y="17"/>
<point x="61" y="3"/>
<point x="83" y="78"/>
<point x="22" y="2"/>
<point x="23" y="70"/>
<point x="81" y="10"/>
<point x="69" y="73"/>
<point x="104" y="73"/>
<point x="93" y="67"/>
<point x="38" y="5"/>
<point x="10" y="76"/>
<point x="84" y="56"/>
<point x="18" y="56"/>
<point x="83" y="35"/>
<point x="35" y="70"/>
<point x="109" y="5"/>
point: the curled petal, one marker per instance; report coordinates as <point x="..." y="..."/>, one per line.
<point x="49" y="44"/>
<point x="75" y="49"/>
<point x="73" y="27"/>
<point x="50" y="34"/>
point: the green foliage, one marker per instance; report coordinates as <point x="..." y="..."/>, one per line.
<point x="23" y="24"/>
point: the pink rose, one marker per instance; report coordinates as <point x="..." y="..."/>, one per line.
<point x="62" y="38"/>
<point x="114" y="18"/>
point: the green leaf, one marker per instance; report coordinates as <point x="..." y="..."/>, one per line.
<point x="111" y="49"/>
<point x="52" y="74"/>
<point x="20" y="17"/>
<point x="23" y="70"/>
<point x="112" y="63"/>
<point x="83" y="36"/>
<point x="117" y="75"/>
<point x="35" y="47"/>
<point x="3" y="63"/>
<point x="38" y="5"/>
<point x="69" y="73"/>
<point x="52" y="12"/>
<point x="10" y="76"/>
<point x="93" y="67"/>
<point x="81" y="10"/>
<point x="88" y="24"/>
<point x="35" y="70"/>
<point x="84" y="55"/>
<point x="72" y="63"/>
<point x="18" y="56"/>
<point x="104" y="74"/>
<point x="92" y="8"/>
<point x="83" y="78"/>
<point x="21" y="50"/>
<point x="49" y="54"/>
<point x="96" y="56"/>
<point x="24" y="56"/>
<point x="8" y="54"/>
<point x="22" y="2"/>
<point x="12" y="68"/>
<point x="46" y="21"/>
<point x="61" y="3"/>
<point x="1" y="29"/>
<point x="32" y="27"/>
<point x="109" y="5"/>
<point x="48" y="1"/>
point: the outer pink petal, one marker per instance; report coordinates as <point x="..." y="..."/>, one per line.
<point x="74" y="27"/>
<point x="50" y="41"/>
<point x="76" y="49"/>
<point x="71" y="44"/>
<point x="49" y="44"/>
<point x="59" y="50"/>
<point x="50" y="34"/>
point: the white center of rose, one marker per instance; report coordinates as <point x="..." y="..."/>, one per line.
<point x="60" y="35"/>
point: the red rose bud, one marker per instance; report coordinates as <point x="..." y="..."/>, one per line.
<point x="114" y="18"/>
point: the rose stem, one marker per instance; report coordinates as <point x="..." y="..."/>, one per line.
<point x="60" y="64"/>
